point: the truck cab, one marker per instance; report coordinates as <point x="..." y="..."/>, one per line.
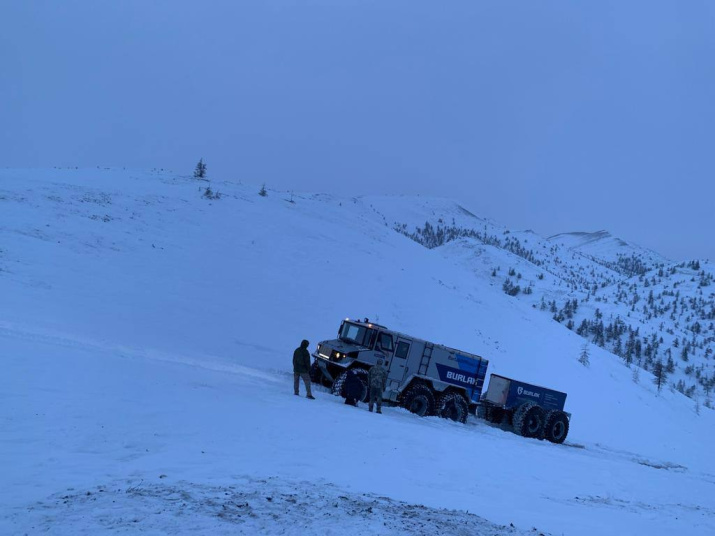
<point x="361" y="344"/>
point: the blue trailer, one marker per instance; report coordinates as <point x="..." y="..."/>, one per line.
<point x="531" y="410"/>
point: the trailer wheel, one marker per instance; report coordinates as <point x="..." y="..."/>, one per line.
<point x="419" y="400"/>
<point x="482" y="412"/>
<point x="338" y="387"/>
<point x="490" y="413"/>
<point x="499" y="416"/>
<point x="556" y="426"/>
<point x="453" y="406"/>
<point x="529" y="420"/>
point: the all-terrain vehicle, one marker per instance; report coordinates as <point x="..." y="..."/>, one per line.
<point x="433" y="379"/>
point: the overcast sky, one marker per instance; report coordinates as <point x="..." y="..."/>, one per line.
<point x="553" y="116"/>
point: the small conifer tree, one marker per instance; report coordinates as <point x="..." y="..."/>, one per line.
<point x="660" y="374"/>
<point x="584" y="357"/>
<point x="263" y="192"/>
<point x="200" y="170"/>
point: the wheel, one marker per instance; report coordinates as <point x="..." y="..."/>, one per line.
<point x="350" y="376"/>
<point x="419" y="400"/>
<point x="482" y="412"/>
<point x="497" y="415"/>
<point x="556" y="426"/>
<point x="315" y="373"/>
<point x="490" y="413"/>
<point x="317" y="376"/>
<point x="453" y="406"/>
<point x="529" y="420"/>
<point x="338" y="384"/>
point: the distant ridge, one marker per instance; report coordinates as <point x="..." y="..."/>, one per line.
<point x="603" y="245"/>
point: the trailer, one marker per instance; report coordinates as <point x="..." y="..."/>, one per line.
<point x="530" y="410"/>
<point x="428" y="378"/>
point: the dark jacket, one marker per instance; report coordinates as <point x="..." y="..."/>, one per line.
<point x="354" y="389"/>
<point x="301" y="358"/>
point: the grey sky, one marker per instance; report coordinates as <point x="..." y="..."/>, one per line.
<point x="554" y="116"/>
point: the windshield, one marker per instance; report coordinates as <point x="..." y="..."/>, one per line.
<point x="356" y="334"/>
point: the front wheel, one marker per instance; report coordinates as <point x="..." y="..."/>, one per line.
<point x="354" y="380"/>
<point x="317" y="375"/>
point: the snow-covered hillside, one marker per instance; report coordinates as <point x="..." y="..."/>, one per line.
<point x="655" y="314"/>
<point x="147" y="333"/>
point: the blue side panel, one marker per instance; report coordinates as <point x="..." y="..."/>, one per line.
<point x="520" y="392"/>
<point x="470" y="375"/>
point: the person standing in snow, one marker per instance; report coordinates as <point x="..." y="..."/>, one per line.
<point x="377" y="380"/>
<point x="353" y="388"/>
<point x="301" y="369"/>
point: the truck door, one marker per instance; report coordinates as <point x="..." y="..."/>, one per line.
<point x="396" y="372"/>
<point x="384" y="348"/>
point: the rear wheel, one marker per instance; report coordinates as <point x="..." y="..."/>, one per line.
<point x="529" y="420"/>
<point x="556" y="426"/>
<point x="419" y="400"/>
<point x="453" y="406"/>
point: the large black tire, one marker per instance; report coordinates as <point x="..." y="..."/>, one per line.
<point x="315" y="373"/>
<point x="338" y="387"/>
<point x="317" y="376"/>
<point x="452" y="406"/>
<point x="529" y="420"/>
<point x="556" y="426"/>
<point x="419" y="399"/>
<point x="482" y="412"/>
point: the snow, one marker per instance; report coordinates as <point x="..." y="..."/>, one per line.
<point x="603" y="245"/>
<point x="249" y="506"/>
<point x="146" y="336"/>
